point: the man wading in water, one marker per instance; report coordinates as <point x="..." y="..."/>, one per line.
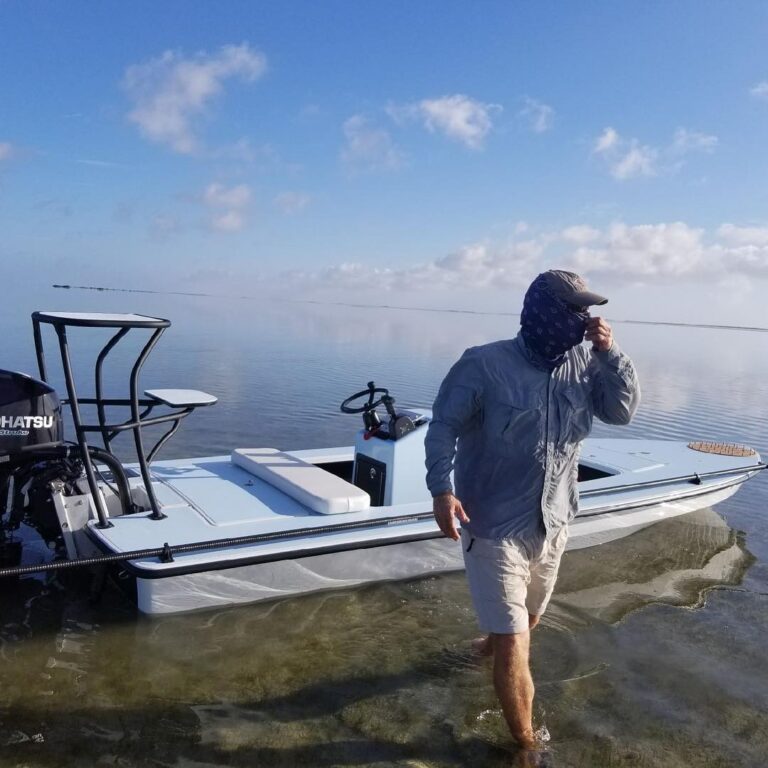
<point x="513" y="415"/>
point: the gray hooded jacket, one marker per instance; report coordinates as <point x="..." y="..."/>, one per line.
<point x="515" y="431"/>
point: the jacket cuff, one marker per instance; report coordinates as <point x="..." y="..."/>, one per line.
<point x="609" y="355"/>
<point x="438" y="490"/>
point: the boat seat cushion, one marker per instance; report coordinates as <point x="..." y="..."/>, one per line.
<point x="310" y="485"/>
<point x="181" y="398"/>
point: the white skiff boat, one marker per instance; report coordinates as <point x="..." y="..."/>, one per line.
<point x="261" y="523"/>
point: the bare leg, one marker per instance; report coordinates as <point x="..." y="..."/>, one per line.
<point x="514" y="684"/>
<point x="483" y="646"/>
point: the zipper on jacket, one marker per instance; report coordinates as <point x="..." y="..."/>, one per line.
<point x="546" y="421"/>
<point x="546" y="451"/>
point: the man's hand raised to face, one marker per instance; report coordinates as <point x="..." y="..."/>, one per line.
<point x="599" y="333"/>
<point x="447" y="508"/>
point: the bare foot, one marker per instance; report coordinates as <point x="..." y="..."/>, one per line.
<point x="482" y="646"/>
<point x="527" y="740"/>
<point x="533" y="750"/>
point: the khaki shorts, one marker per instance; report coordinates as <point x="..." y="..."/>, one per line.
<point x="505" y="584"/>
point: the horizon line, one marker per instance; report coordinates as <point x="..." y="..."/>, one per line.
<point x="630" y="321"/>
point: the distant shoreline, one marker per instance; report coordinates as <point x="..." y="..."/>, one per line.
<point x="711" y="326"/>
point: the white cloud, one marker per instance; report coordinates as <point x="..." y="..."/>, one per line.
<point x="243" y="151"/>
<point x="292" y="202"/>
<point x="750" y="259"/>
<point x="458" y="117"/>
<point x="647" y="253"/>
<point x="743" y="235"/>
<point x="628" y="158"/>
<point x="229" y="221"/>
<point x="692" y="141"/>
<point x="637" y="160"/>
<point x="539" y="116"/>
<point x="520" y="227"/>
<point x="478" y="265"/>
<point x="607" y="141"/>
<point x="219" y="196"/>
<point x="760" y="90"/>
<point x="170" y="91"/>
<point x="488" y="264"/>
<point x="367" y="147"/>
<point x="580" y="234"/>
<point x="6" y="150"/>
<point x="228" y="206"/>
<point x="669" y="251"/>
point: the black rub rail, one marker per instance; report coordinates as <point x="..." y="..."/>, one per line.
<point x="167" y="551"/>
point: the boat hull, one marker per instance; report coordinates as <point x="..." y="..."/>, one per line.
<point x="390" y="562"/>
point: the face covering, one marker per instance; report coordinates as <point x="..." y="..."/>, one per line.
<point x="549" y="326"/>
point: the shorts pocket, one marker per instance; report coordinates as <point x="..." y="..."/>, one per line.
<point x="504" y="566"/>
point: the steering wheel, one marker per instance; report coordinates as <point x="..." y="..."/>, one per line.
<point x="371" y="392"/>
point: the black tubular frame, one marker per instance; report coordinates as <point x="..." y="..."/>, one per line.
<point x="140" y="408"/>
<point x="99" y="392"/>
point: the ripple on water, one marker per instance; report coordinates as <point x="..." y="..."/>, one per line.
<point x="310" y="680"/>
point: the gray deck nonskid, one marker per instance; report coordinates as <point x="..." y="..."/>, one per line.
<point x="209" y="499"/>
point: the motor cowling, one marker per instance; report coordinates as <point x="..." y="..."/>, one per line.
<point x="30" y="415"/>
<point x="30" y="426"/>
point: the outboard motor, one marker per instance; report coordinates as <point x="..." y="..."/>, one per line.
<point x="30" y="425"/>
<point x="30" y="415"/>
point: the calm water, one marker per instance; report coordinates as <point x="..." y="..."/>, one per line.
<point x="652" y="654"/>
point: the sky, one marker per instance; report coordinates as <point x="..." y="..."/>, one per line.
<point x="435" y="154"/>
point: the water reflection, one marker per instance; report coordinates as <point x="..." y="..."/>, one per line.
<point x="280" y="370"/>
<point x="652" y="653"/>
<point x="374" y="676"/>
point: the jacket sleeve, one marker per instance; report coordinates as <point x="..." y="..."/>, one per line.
<point x="616" y="390"/>
<point x="457" y="405"/>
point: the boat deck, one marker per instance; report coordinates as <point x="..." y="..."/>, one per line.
<point x="211" y="499"/>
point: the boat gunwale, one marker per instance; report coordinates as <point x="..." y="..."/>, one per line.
<point x="168" y="570"/>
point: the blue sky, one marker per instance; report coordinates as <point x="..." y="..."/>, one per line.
<point x="426" y="153"/>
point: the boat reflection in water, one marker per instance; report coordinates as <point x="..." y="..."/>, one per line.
<point x="324" y="679"/>
<point x="673" y="562"/>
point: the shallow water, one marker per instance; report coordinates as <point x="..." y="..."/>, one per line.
<point x="652" y="653"/>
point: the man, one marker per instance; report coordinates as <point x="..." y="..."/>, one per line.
<point x="513" y="414"/>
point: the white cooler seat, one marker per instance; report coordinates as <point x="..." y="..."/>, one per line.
<point x="310" y="485"/>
